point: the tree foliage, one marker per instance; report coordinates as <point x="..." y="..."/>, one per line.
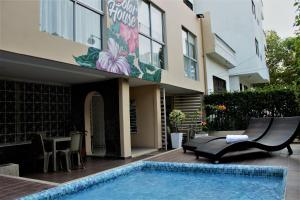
<point x="283" y="59"/>
<point x="297" y="18"/>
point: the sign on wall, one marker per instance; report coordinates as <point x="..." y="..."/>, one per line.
<point x="121" y="55"/>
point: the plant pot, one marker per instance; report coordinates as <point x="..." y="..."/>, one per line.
<point x="176" y="139"/>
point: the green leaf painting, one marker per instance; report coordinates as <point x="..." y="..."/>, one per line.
<point x="90" y="59"/>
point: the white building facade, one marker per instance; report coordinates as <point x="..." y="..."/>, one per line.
<point x="234" y="43"/>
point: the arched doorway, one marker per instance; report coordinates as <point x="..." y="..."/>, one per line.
<point x="94" y="124"/>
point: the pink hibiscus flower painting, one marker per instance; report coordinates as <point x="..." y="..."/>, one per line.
<point x="130" y="36"/>
<point x="113" y="60"/>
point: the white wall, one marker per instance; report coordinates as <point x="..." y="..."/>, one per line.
<point x="234" y="22"/>
<point x="215" y="69"/>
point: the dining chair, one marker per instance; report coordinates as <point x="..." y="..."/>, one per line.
<point x="75" y="149"/>
<point x="39" y="151"/>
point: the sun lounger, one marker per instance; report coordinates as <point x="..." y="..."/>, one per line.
<point x="279" y="136"/>
<point x="256" y="129"/>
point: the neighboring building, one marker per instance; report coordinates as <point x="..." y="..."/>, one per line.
<point x="113" y="68"/>
<point x="234" y="43"/>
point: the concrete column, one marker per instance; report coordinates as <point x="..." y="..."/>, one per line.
<point x="124" y="103"/>
<point x="157" y="117"/>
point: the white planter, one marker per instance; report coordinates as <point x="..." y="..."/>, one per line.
<point x="176" y="139"/>
<point x="9" y="169"/>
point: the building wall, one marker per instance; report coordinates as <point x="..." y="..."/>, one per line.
<point x="215" y="69"/>
<point x="239" y="28"/>
<point x="174" y="74"/>
<point x="148" y="117"/>
<point x="20" y="33"/>
<point x="27" y="108"/>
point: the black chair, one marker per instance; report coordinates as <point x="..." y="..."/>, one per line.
<point x="256" y="129"/>
<point x="280" y="135"/>
<point x="39" y="151"/>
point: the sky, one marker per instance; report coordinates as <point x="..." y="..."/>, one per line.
<point x="279" y="16"/>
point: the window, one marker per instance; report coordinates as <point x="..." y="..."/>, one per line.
<point x="77" y="20"/>
<point x="133" y="126"/>
<point x="189" y="54"/>
<point x="151" y="38"/>
<point x="253" y="9"/>
<point x="189" y="3"/>
<point x="219" y="85"/>
<point x="241" y="87"/>
<point x="256" y="47"/>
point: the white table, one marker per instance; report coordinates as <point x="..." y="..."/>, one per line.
<point x="55" y="140"/>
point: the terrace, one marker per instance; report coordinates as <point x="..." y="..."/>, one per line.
<point x="17" y="187"/>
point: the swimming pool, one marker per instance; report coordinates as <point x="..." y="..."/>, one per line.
<point x="176" y="181"/>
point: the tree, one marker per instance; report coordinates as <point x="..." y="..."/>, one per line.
<point x="297" y="18"/>
<point x="283" y="59"/>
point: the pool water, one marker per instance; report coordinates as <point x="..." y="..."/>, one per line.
<point x="174" y="181"/>
<point x="150" y="184"/>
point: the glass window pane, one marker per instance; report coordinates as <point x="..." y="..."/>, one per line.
<point x="144" y="50"/>
<point x="157" y="55"/>
<point x="192" y="47"/>
<point x="184" y="42"/>
<point x="96" y="4"/>
<point x="57" y="18"/>
<point x="190" y="68"/>
<point x="88" y="27"/>
<point x="193" y="66"/>
<point x="156" y="24"/>
<point x="186" y="66"/>
<point x="144" y="18"/>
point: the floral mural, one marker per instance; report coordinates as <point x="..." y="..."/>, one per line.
<point x="121" y="55"/>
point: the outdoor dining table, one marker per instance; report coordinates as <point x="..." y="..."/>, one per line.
<point x="54" y="141"/>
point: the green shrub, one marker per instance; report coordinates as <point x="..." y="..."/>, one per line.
<point x="241" y="106"/>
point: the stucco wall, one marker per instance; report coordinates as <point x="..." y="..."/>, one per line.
<point x="215" y="69"/>
<point x="178" y="15"/>
<point x="239" y="22"/>
<point x="148" y="117"/>
<point x="20" y="33"/>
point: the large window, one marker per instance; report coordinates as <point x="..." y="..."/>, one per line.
<point x="77" y="20"/>
<point x="219" y="85"/>
<point x="189" y="54"/>
<point x="151" y="38"/>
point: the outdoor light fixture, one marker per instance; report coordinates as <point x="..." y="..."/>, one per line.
<point x="91" y="39"/>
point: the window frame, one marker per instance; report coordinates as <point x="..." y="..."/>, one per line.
<point x="183" y="29"/>
<point x="163" y="43"/>
<point x="80" y="3"/>
<point x="256" y="47"/>
<point x="216" y="84"/>
<point x="76" y="4"/>
<point x="253" y="8"/>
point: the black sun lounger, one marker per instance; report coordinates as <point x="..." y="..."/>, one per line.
<point x="256" y="129"/>
<point x="280" y="135"/>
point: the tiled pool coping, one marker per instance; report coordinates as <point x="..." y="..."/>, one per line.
<point x="81" y="184"/>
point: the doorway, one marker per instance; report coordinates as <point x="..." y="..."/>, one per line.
<point x="95" y="125"/>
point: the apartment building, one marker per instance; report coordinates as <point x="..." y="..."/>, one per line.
<point x="112" y="68"/>
<point x="234" y="43"/>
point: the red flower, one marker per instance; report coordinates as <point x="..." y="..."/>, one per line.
<point x="130" y="35"/>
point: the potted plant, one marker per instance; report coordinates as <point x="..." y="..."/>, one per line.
<point x="176" y="118"/>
